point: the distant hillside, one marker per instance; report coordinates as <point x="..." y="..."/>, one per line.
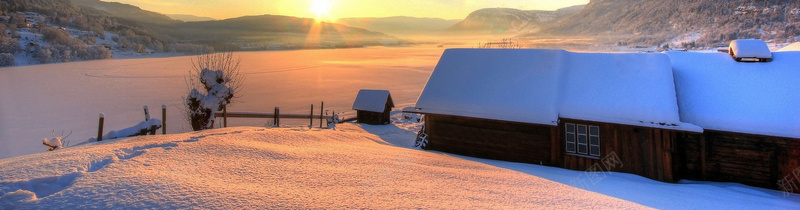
<point x="188" y="18"/>
<point x="125" y="11"/>
<point x="508" y="20"/>
<point x="654" y="22"/>
<point x="400" y="25"/>
<point x="259" y="31"/>
<point x="50" y="31"/>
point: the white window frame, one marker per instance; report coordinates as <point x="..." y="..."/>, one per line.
<point x="594" y="149"/>
<point x="572" y="142"/>
<point x="568" y="134"/>
<point x="585" y="135"/>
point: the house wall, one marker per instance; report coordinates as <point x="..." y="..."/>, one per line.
<point x="375" y="118"/>
<point x="630" y="149"/>
<point x="754" y="160"/>
<point x="492" y="139"/>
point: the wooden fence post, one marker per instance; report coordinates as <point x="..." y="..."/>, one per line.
<point x="147" y="118"/>
<point x="276" y="119"/>
<point x="100" y="127"/>
<point x="225" y="116"/>
<point x="163" y="119"/>
<point x="311" y="117"/>
<point x="146" y="114"/>
<point x="321" y="106"/>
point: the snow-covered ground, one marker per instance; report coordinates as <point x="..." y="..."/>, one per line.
<point x="353" y="166"/>
<point x="254" y="168"/>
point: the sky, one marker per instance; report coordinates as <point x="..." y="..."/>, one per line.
<point x="335" y="9"/>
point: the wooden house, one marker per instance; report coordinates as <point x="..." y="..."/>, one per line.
<point x="581" y="111"/>
<point x="751" y="116"/>
<point x="373" y="106"/>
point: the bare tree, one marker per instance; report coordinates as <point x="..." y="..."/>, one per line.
<point x="212" y="82"/>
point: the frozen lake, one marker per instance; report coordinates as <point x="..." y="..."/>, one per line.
<point x="35" y="100"/>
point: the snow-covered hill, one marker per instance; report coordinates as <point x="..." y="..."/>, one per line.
<point x="254" y="168"/>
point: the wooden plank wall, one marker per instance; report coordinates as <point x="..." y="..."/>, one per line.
<point x="732" y="157"/>
<point x="500" y="140"/>
<point x="643" y="151"/>
<point x="373" y="118"/>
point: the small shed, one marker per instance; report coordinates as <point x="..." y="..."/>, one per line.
<point x="373" y="106"/>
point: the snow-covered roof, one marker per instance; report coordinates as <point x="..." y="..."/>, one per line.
<point x="623" y="88"/>
<point x="717" y="93"/>
<point x="500" y="84"/>
<point x="750" y="48"/>
<point x="372" y="100"/>
<point x="539" y="86"/>
<point x="792" y="47"/>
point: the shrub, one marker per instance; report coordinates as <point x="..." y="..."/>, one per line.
<point x="6" y="59"/>
<point x="213" y="81"/>
<point x="9" y="45"/>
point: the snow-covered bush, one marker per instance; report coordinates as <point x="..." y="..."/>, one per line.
<point x="213" y="81"/>
<point x="56" y="141"/>
<point x="6" y="59"/>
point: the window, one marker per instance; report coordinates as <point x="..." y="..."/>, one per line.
<point x="570" y="128"/>
<point x="582" y="139"/>
<point x="582" y="146"/>
<point x="594" y="140"/>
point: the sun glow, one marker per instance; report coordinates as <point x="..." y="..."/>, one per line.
<point x="321" y="8"/>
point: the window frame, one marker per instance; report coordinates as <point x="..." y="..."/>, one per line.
<point x="594" y="149"/>
<point x="567" y="134"/>
<point x="583" y="148"/>
<point x="574" y="132"/>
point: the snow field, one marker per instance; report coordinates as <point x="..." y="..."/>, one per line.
<point x="69" y="96"/>
<point x="251" y="167"/>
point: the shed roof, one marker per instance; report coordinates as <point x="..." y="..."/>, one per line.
<point x="750" y="48"/>
<point x="372" y="100"/>
<point x="717" y="93"/>
<point x="539" y="86"/>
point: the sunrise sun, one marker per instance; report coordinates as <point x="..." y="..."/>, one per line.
<point x="321" y="8"/>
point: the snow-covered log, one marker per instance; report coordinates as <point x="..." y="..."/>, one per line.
<point x="143" y="128"/>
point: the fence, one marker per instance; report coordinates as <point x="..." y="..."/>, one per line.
<point x="276" y="116"/>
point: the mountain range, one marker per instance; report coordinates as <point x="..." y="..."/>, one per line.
<point x="400" y="25"/>
<point x="508" y="20"/>
<point x="651" y="22"/>
<point x="188" y="18"/>
<point x="641" y="22"/>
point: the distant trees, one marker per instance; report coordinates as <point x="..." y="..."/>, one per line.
<point x="64" y="48"/>
<point x="7" y="59"/>
<point x="188" y="48"/>
<point x="8" y="47"/>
